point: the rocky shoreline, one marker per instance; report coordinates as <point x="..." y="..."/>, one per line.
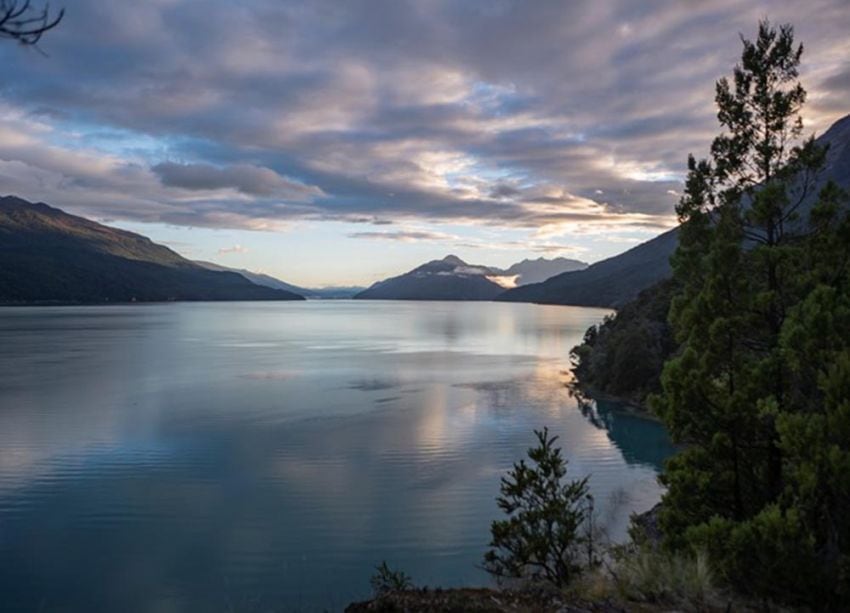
<point x="484" y="600"/>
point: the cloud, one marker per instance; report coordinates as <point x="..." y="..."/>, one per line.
<point x="571" y="118"/>
<point x="405" y="236"/>
<point x="532" y="244"/>
<point x="535" y="246"/>
<point x="233" y="249"/>
<point x="245" y="178"/>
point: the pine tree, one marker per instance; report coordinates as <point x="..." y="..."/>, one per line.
<point x="547" y="534"/>
<point x="751" y="257"/>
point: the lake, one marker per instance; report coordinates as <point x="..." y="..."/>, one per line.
<point x="266" y="456"/>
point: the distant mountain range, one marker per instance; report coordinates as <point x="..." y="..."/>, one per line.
<point x="609" y="283"/>
<point x="453" y="279"/>
<point x="49" y="256"/>
<point x="324" y="293"/>
<point x="535" y="271"/>
<point x="448" y="279"/>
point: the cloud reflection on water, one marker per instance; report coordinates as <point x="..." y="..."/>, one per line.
<point x="139" y="469"/>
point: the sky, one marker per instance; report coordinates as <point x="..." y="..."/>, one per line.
<point x="337" y="143"/>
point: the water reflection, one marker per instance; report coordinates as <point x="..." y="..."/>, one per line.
<point x="266" y="456"/>
<point x="639" y="437"/>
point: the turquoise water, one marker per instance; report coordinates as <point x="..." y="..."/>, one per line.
<point x="266" y="456"/>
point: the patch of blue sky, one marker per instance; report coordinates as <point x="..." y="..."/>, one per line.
<point x="118" y="142"/>
<point x="485" y="172"/>
<point x="498" y="99"/>
<point x="128" y="144"/>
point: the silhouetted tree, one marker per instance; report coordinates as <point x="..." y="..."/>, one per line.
<point x="24" y="23"/>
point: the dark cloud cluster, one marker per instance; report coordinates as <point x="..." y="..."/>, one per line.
<point x="245" y="178"/>
<point x="540" y="115"/>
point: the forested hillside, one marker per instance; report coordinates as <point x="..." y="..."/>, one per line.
<point x="624" y="355"/>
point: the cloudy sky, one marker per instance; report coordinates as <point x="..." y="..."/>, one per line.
<point x="331" y="142"/>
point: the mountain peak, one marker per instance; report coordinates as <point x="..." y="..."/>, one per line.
<point x="453" y="259"/>
<point x="14" y="202"/>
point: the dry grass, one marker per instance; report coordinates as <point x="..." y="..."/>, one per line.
<point x="660" y="577"/>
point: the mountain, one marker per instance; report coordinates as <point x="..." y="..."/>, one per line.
<point x="47" y="255"/>
<point x="448" y="279"/>
<point x="838" y="158"/>
<point x="617" y="280"/>
<point x="536" y="271"/>
<point x="609" y="283"/>
<point x="254" y="277"/>
<point x="257" y="278"/>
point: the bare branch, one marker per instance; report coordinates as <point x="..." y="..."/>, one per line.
<point x="25" y="24"/>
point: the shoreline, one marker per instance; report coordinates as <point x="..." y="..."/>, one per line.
<point x="584" y="393"/>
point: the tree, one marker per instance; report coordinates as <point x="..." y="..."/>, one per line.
<point x="756" y="247"/>
<point x="542" y="538"/>
<point x="20" y="21"/>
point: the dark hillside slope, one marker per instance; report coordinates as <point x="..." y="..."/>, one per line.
<point x="326" y="293"/>
<point x="49" y="256"/>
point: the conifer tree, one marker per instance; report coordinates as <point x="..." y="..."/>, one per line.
<point x="548" y="532"/>
<point x="755" y="256"/>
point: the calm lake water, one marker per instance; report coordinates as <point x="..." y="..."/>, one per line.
<point x="266" y="456"/>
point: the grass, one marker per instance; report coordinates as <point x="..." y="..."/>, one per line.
<point x="653" y="576"/>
